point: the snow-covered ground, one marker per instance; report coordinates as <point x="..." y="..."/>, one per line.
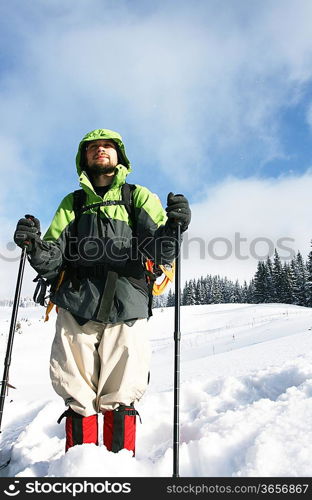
<point x="246" y="398"/>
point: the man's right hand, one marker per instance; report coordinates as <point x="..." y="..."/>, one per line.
<point x="27" y="232"/>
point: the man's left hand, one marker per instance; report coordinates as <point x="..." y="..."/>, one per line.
<point x="178" y="211"/>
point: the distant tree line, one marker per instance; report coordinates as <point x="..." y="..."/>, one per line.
<point x="24" y="302"/>
<point x="289" y="283"/>
<point x="274" y="281"/>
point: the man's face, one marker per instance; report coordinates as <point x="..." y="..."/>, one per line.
<point x="101" y="156"/>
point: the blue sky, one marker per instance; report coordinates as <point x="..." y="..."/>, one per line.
<point x="206" y="94"/>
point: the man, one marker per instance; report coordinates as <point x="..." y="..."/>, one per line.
<point x="100" y="354"/>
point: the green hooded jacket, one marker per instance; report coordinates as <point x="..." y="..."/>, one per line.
<point x="101" y="252"/>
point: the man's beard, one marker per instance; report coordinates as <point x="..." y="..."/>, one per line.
<point x="95" y="171"/>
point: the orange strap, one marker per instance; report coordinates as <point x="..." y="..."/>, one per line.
<point x="168" y="271"/>
<point x="50" y="303"/>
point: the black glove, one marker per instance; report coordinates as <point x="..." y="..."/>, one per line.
<point x="178" y="211"/>
<point x="27" y="232"/>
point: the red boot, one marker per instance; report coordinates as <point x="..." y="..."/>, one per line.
<point x="79" y="429"/>
<point x="119" y="428"/>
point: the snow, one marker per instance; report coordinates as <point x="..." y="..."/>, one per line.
<point x="245" y="402"/>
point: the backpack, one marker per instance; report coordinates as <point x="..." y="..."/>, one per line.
<point x="152" y="272"/>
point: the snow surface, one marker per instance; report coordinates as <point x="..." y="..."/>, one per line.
<point x="246" y="398"/>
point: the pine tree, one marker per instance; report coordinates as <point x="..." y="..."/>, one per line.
<point x="295" y="281"/>
<point x="250" y="295"/>
<point x="170" y="299"/>
<point x="288" y="292"/>
<point x="244" y="296"/>
<point x="200" y="291"/>
<point x="309" y="279"/>
<point x="208" y="290"/>
<point x="216" y="293"/>
<point x="261" y="283"/>
<point x="226" y="289"/>
<point x="277" y="275"/>
<point x="302" y="281"/>
<point x="238" y="294"/>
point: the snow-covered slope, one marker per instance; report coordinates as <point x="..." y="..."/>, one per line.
<point x="246" y="405"/>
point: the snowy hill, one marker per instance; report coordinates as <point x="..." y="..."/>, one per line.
<point x="246" y="406"/>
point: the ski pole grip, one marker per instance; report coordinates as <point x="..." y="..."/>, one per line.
<point x="31" y="217"/>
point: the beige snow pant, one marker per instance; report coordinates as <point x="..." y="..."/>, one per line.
<point x="95" y="367"/>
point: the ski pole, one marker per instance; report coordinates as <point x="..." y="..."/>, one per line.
<point x="177" y="337"/>
<point x="7" y="361"/>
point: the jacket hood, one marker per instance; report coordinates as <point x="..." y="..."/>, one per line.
<point x="103" y="133"/>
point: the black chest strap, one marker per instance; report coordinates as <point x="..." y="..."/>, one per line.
<point x="80" y="197"/>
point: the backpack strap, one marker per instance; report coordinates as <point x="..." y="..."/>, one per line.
<point x="79" y="200"/>
<point x="78" y="203"/>
<point x="126" y="199"/>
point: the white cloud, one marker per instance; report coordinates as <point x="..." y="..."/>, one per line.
<point x="248" y="218"/>
<point x="167" y="79"/>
